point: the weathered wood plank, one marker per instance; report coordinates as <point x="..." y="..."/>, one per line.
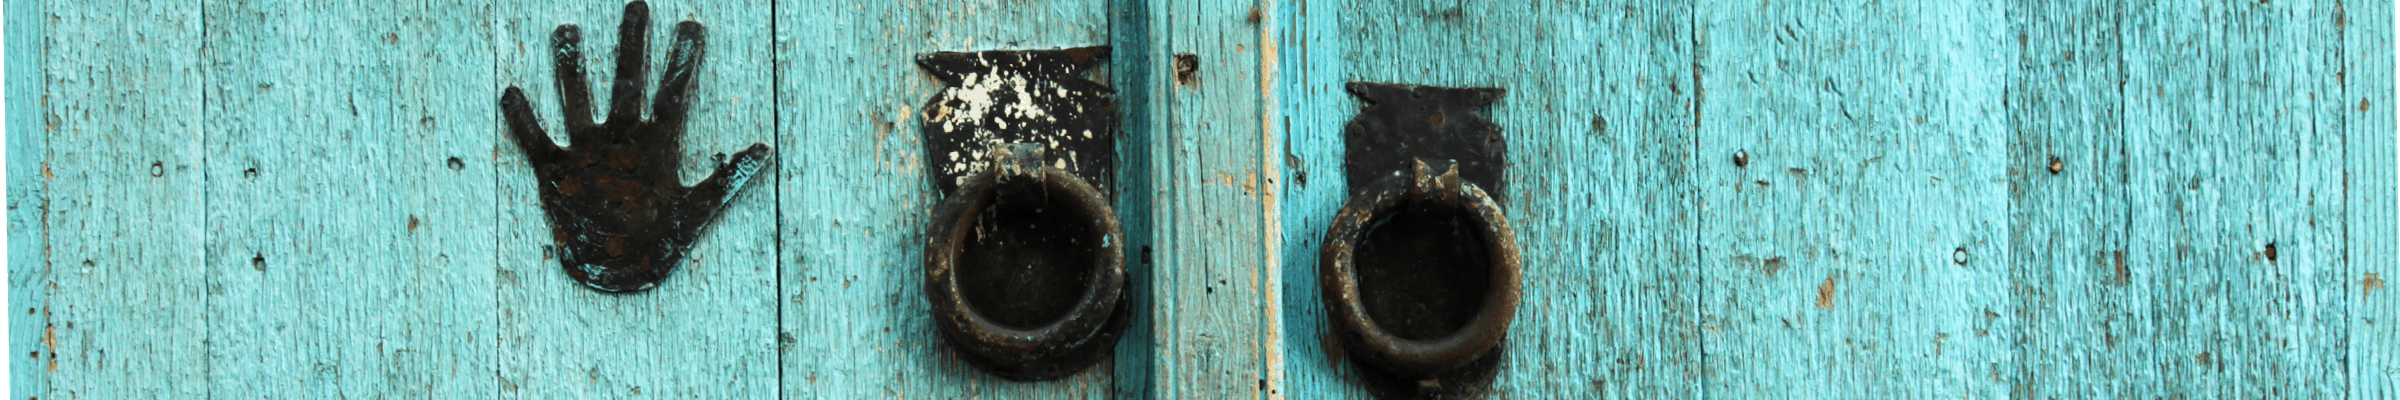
<point x="1599" y="121"/>
<point x="1852" y="216"/>
<point x="2219" y="117"/>
<point x="2171" y="219"/>
<point x="349" y="241"/>
<point x="2298" y="305"/>
<point x="2076" y="309"/>
<point x="855" y="197"/>
<point x="1212" y="291"/>
<point x="1309" y="108"/>
<point x="1138" y="74"/>
<point x="2372" y="183"/>
<point x="707" y="331"/>
<point x="1604" y="190"/>
<point x="30" y="269"/>
<point x="124" y="165"/>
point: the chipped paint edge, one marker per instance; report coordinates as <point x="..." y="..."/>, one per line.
<point x="1271" y="167"/>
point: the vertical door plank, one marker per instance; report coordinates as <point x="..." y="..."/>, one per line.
<point x="1852" y="174"/>
<point x="1142" y="74"/>
<point x="855" y="196"/>
<point x="1599" y="121"/>
<point x="123" y="83"/>
<point x="1604" y="202"/>
<point x="349" y="182"/>
<point x="2223" y="152"/>
<point x="2076" y="304"/>
<point x="1310" y="108"/>
<point x="2367" y="108"/>
<point x="30" y="271"/>
<point x="708" y="330"/>
<point x="2298" y="306"/>
<point x="1206" y="139"/>
<point x="2175" y="243"/>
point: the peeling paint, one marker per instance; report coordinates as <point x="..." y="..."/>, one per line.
<point x="996" y="97"/>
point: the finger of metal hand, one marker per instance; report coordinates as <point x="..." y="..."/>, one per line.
<point x="527" y="127"/>
<point x="729" y="179"/>
<point x="574" y="88"/>
<point x="674" y="88"/>
<point x="632" y="66"/>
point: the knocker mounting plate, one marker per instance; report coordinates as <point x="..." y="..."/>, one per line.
<point x="993" y="98"/>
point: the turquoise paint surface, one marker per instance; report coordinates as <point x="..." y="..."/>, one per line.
<point x="1877" y="175"/>
<point x="345" y="256"/>
<point x="238" y="199"/>
<point x="2373" y="197"/>
<point x="28" y="203"/>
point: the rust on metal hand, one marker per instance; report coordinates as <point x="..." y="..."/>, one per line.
<point x="619" y="212"/>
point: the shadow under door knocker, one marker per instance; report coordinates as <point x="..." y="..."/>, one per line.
<point x="1419" y="269"/>
<point x="1024" y="257"/>
<point x="621" y="215"/>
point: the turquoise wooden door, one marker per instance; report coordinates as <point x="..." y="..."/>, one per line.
<point x="1718" y="199"/>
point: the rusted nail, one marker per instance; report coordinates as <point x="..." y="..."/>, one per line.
<point x="2057" y="165"/>
<point x="1187" y="68"/>
<point x="1959" y="256"/>
<point x="1741" y="159"/>
<point x="1019" y="160"/>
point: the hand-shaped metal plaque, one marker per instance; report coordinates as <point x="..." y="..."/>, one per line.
<point x="620" y="213"/>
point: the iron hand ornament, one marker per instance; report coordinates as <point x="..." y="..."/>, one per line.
<point x="618" y="209"/>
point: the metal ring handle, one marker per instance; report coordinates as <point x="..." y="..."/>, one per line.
<point x="1339" y="278"/>
<point x="1024" y="353"/>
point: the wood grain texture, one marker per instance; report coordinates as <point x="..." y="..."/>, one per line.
<point x="855" y="197"/>
<point x="1599" y="121"/>
<point x="347" y="255"/>
<point x="29" y="271"/>
<point x="2076" y="308"/>
<point x="1138" y="74"/>
<point x="2372" y="183"/>
<point x="708" y="331"/>
<point x="1874" y="137"/>
<point x="1206" y="140"/>
<point x="2219" y="124"/>
<point x="127" y="284"/>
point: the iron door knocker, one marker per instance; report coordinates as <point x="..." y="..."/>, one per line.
<point x="1024" y="259"/>
<point x="1420" y="271"/>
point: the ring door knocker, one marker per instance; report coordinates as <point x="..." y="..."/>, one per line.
<point x="617" y="207"/>
<point x="1024" y="259"/>
<point x="1419" y="271"/>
